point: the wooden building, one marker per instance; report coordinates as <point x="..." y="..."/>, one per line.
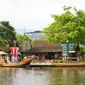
<point x="40" y="48"/>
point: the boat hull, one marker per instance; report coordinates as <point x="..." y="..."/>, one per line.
<point x="23" y="63"/>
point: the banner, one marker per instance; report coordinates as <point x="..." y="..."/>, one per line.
<point x="14" y="51"/>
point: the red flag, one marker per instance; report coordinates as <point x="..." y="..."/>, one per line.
<point x="14" y="51"/>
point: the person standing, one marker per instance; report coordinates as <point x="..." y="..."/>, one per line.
<point x="12" y="59"/>
<point x="43" y="58"/>
<point x="7" y="59"/>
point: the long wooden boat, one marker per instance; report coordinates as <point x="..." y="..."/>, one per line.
<point x="23" y="63"/>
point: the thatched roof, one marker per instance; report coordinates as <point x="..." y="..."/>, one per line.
<point x="44" y="46"/>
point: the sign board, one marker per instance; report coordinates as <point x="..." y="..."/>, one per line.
<point x="66" y="47"/>
<point x="71" y="47"/>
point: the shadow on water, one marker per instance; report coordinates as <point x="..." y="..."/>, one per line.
<point x="42" y="76"/>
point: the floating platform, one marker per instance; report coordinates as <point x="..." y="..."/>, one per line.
<point x="41" y="65"/>
<point x="57" y="64"/>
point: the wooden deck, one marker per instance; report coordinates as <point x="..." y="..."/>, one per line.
<point x="41" y="65"/>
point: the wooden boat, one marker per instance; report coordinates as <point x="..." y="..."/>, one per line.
<point x="23" y="63"/>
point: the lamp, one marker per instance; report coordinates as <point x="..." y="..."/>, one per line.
<point x="67" y="48"/>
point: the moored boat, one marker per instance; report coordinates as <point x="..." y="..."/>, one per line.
<point x="23" y="63"/>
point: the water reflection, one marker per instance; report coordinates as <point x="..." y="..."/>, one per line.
<point x="42" y="76"/>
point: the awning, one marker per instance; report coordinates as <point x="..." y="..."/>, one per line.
<point x="3" y="53"/>
<point x="72" y="51"/>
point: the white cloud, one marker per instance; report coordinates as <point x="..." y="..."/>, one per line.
<point x="33" y="14"/>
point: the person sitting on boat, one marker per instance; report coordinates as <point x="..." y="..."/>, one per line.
<point x="25" y="57"/>
<point x="8" y="60"/>
<point x="12" y="59"/>
<point x="1" y="60"/>
<point x="16" y="59"/>
<point x="19" y="58"/>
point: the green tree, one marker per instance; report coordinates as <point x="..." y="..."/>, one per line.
<point x="82" y="51"/>
<point x="2" y="35"/>
<point x="70" y="25"/>
<point x="7" y="32"/>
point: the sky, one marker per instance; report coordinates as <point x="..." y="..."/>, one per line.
<point x="32" y="15"/>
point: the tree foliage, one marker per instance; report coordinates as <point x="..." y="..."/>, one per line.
<point x="82" y="51"/>
<point x="70" y="25"/>
<point x="7" y="33"/>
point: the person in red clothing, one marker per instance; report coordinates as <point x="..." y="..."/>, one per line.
<point x="78" y="57"/>
<point x="43" y="58"/>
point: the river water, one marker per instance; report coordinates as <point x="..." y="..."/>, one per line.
<point x="42" y="76"/>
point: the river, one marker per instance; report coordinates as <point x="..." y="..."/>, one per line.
<point x="42" y="76"/>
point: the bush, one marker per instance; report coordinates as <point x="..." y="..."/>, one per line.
<point x="60" y="61"/>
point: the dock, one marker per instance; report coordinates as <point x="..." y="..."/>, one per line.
<point x="80" y="64"/>
<point x="41" y="65"/>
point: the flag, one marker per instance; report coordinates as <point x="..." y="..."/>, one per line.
<point x="14" y="51"/>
